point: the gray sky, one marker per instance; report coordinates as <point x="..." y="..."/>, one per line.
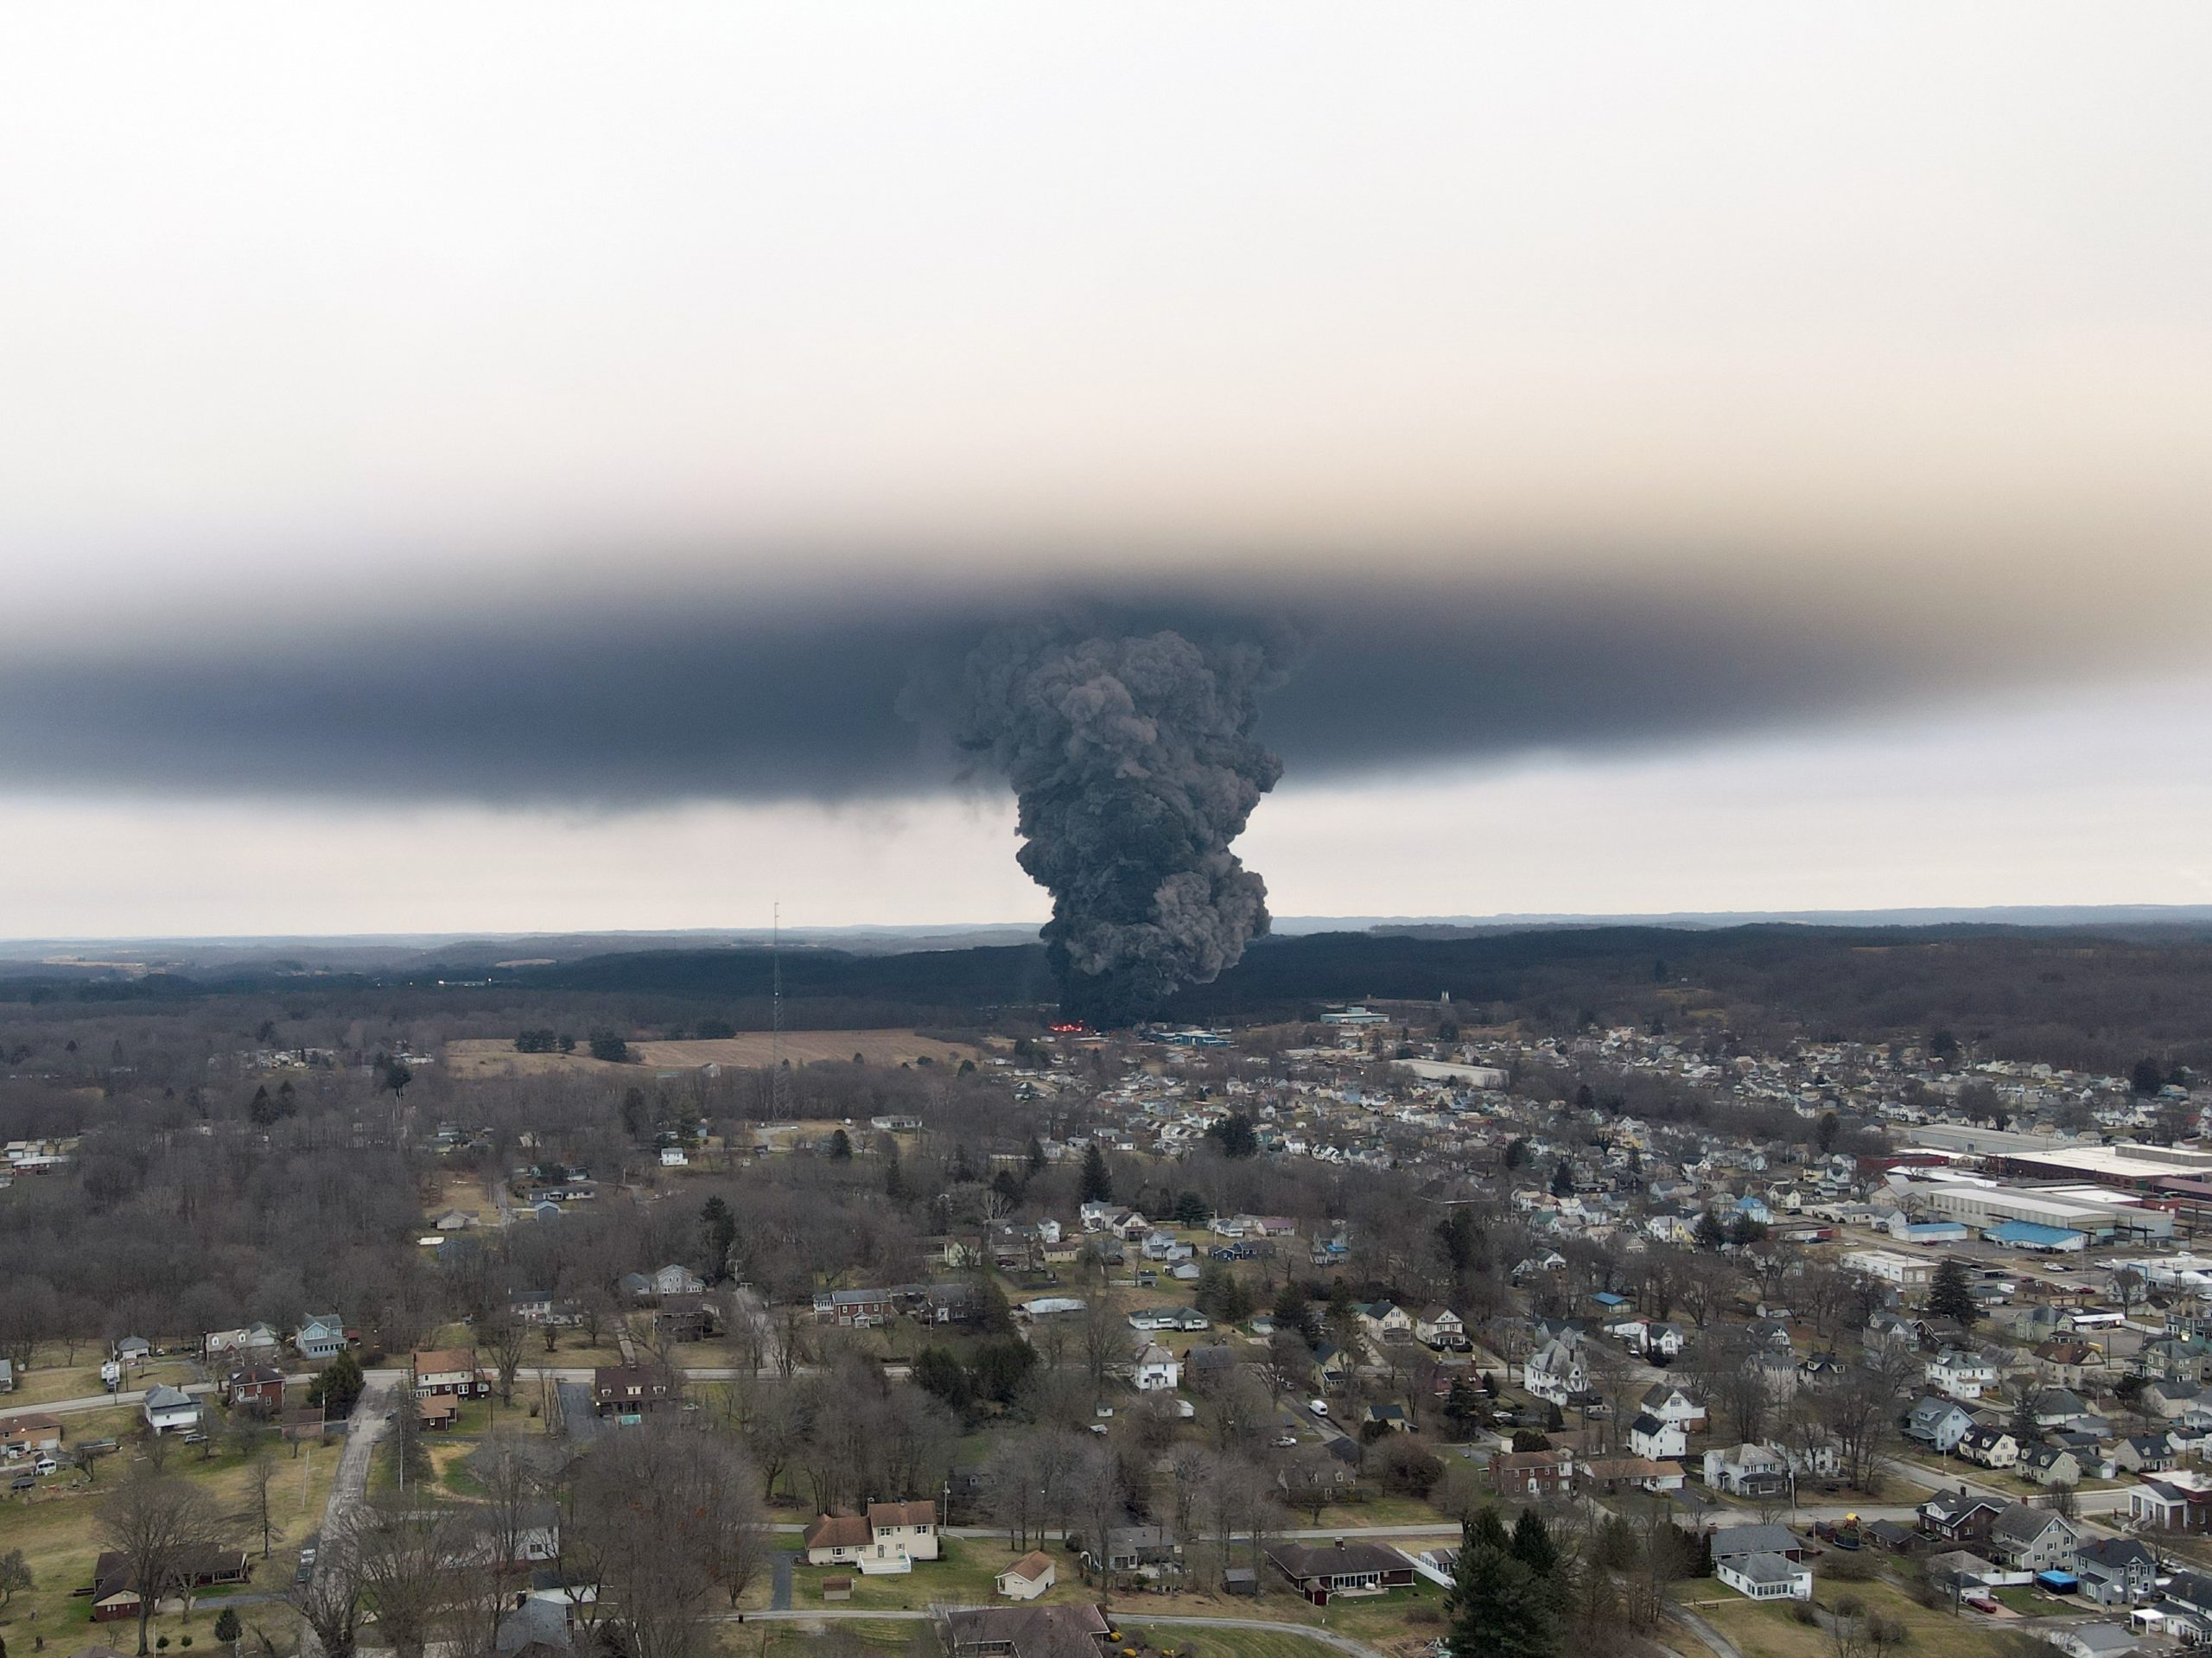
<point x="495" y="467"/>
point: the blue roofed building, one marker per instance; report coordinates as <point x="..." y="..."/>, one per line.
<point x="2027" y="1235"/>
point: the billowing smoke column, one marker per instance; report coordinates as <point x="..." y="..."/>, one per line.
<point x="1135" y="765"/>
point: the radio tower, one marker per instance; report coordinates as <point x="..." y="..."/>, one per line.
<point x="780" y="1092"/>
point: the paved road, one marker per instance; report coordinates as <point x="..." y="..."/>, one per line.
<point x="349" y="1487"/>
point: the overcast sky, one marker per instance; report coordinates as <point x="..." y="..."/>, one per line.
<point x="489" y="466"/>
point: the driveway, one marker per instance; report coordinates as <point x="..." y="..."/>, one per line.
<point x="349" y="1487"/>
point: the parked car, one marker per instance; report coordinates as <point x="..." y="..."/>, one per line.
<point x="1318" y="1406"/>
<point x="1284" y="1442"/>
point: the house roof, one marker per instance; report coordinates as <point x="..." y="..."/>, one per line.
<point x="1030" y="1567"/>
<point x="1335" y="1559"/>
<point x="838" y="1531"/>
<point x="921" y="1513"/>
<point x="1766" y="1568"/>
<point x="2021" y="1524"/>
<point x="1753" y="1539"/>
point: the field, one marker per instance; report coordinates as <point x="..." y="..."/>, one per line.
<point x="474" y="1057"/>
<point x="49" y="1378"/>
<point x="59" y="1535"/>
<point x="1769" y="1631"/>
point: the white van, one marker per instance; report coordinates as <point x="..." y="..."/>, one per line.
<point x="1318" y="1406"/>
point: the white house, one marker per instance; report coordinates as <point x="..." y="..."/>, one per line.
<point x="1027" y="1577"/>
<point x="1958" y="1374"/>
<point x="1556" y="1373"/>
<point x="1671" y="1404"/>
<point x="168" y="1407"/>
<point x="1649" y="1436"/>
<point x="673" y="1157"/>
<point x="1157" y="1370"/>
<point x="1440" y="1326"/>
<point x="1765" y="1577"/>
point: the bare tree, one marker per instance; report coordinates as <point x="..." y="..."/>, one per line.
<point x="666" y="1516"/>
<point x="504" y="1339"/>
<point x="329" y="1601"/>
<point x="158" y="1525"/>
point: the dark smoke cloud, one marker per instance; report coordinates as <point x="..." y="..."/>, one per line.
<point x="634" y="701"/>
<point x="1135" y="762"/>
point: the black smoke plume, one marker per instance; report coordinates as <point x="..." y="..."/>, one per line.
<point x="1134" y="763"/>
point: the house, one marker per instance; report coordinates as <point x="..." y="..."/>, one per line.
<point x="1341" y="1568"/>
<point x="133" y="1351"/>
<point x="2034" y="1540"/>
<point x="1533" y="1473"/>
<point x="2172" y="1502"/>
<point x="1024" y="1631"/>
<point x="1556" y="1373"/>
<point x="1441" y="1327"/>
<point x="630" y="1390"/>
<point x="1958" y="1374"/>
<point x="2095" y="1641"/>
<point x="32" y="1431"/>
<point x="1610" y="1475"/>
<point x="1961" y="1516"/>
<point x="540" y="1308"/>
<point x="2051" y="1465"/>
<point x="2069" y="1361"/>
<point x="2146" y="1453"/>
<point x="1747" y="1470"/>
<point x="2116" y="1571"/>
<point x="1138" y="1551"/>
<point x="673" y="1157"/>
<point x="252" y="1343"/>
<point x="1765" y="1577"/>
<point x="671" y="1279"/>
<point x="837" y="1540"/>
<point x="1157" y="1370"/>
<point x="1938" y="1422"/>
<point x="1671" y="1404"/>
<point x="168" y="1407"/>
<point x="1385" y="1322"/>
<point x="1390" y="1417"/>
<point x="1989" y="1447"/>
<point x="259" y="1387"/>
<point x="909" y="1528"/>
<point x="447" y="1371"/>
<point x="1740" y="1541"/>
<point x="888" y="1539"/>
<point x="853" y="1309"/>
<point x="1027" y="1577"/>
<point x="322" y="1335"/>
<point x="115" y="1582"/>
<point x="1650" y="1436"/>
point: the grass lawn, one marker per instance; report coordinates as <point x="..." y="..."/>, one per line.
<point x="49" y="1378"/>
<point x="1768" y="1631"/>
<point x="59" y="1535"/>
<point x="793" y="1640"/>
<point x="1228" y="1643"/>
<point x="1377" y="1511"/>
<point x="962" y="1578"/>
<point x="1403" y="1616"/>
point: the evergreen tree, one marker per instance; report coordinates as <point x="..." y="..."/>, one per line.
<point x="1036" y="1155"/>
<point x="1532" y="1546"/>
<point x="1498" y="1604"/>
<point x="718" y="1236"/>
<point x="1098" y="1183"/>
<point x="895" y="1176"/>
<point x="1708" y="1233"/>
<point x="1949" y="1294"/>
<point x="1562" y="1177"/>
<point x="841" y="1148"/>
<point x="1235" y="1135"/>
<point x="337" y="1386"/>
